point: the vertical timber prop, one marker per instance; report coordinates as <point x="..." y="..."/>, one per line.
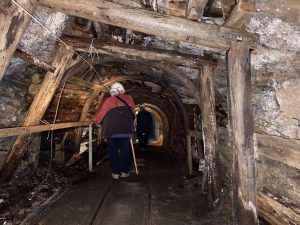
<point x="13" y="23"/>
<point x="209" y="127"/>
<point x="83" y="116"/>
<point x="61" y="61"/>
<point x="241" y="135"/>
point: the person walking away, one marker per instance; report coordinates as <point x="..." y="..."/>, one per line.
<point x="144" y="127"/>
<point x="117" y="116"/>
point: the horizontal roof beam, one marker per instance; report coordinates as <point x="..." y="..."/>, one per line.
<point x="148" y="22"/>
<point x="127" y="52"/>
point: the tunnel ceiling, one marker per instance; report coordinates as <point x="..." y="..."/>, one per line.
<point x="40" y="43"/>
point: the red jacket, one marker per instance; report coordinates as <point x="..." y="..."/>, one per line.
<point x="115" y="116"/>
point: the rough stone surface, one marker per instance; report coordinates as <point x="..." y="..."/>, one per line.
<point x="12" y="111"/>
<point x="275" y="67"/>
<point x="37" y="40"/>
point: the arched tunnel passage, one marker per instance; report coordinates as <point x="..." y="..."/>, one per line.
<point x="155" y="195"/>
<point x="42" y="90"/>
<point x="159" y="126"/>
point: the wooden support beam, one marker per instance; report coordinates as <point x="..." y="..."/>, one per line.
<point x="189" y="154"/>
<point x="14" y="131"/>
<point x="241" y="133"/>
<point x="62" y="60"/>
<point x="274" y="212"/>
<point x="149" y="22"/>
<point x="83" y="115"/>
<point x="28" y="58"/>
<point x="13" y="23"/>
<point x="33" y="153"/>
<point x="131" y="53"/>
<point x="241" y="14"/>
<point x="90" y="148"/>
<point x="209" y="129"/>
<point x="283" y="150"/>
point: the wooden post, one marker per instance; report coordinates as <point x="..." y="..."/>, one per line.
<point x="36" y="111"/>
<point x="189" y="154"/>
<point x="210" y="134"/>
<point x="91" y="148"/>
<point x="241" y="135"/>
<point x="83" y="115"/>
<point x="34" y="151"/>
<point x="13" y="23"/>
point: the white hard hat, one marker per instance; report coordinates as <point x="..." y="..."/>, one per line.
<point x="117" y="88"/>
<point x="142" y="106"/>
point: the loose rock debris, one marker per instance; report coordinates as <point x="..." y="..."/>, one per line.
<point x="27" y="192"/>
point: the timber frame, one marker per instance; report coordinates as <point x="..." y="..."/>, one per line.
<point x="236" y="43"/>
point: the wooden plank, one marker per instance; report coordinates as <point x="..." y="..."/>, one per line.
<point x="13" y="23"/>
<point x="14" y="131"/>
<point x="118" y="50"/>
<point x="209" y="128"/>
<point x="278" y="179"/>
<point x="241" y="14"/>
<point x="274" y="212"/>
<point x="282" y="150"/>
<point x="149" y="22"/>
<point x="28" y="58"/>
<point x="37" y="110"/>
<point x="241" y="133"/>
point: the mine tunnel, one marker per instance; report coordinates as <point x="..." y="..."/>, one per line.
<point x="219" y="78"/>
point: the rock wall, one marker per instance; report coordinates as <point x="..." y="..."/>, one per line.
<point x="12" y="110"/>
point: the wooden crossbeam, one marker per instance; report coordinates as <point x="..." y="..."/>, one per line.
<point x="149" y="22"/>
<point x="28" y="58"/>
<point x="122" y="51"/>
<point x="13" y="23"/>
<point x="14" y="131"/>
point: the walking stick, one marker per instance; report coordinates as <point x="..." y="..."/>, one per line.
<point x="133" y="154"/>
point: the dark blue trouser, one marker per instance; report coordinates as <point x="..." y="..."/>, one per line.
<point x="143" y="140"/>
<point x="119" y="154"/>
